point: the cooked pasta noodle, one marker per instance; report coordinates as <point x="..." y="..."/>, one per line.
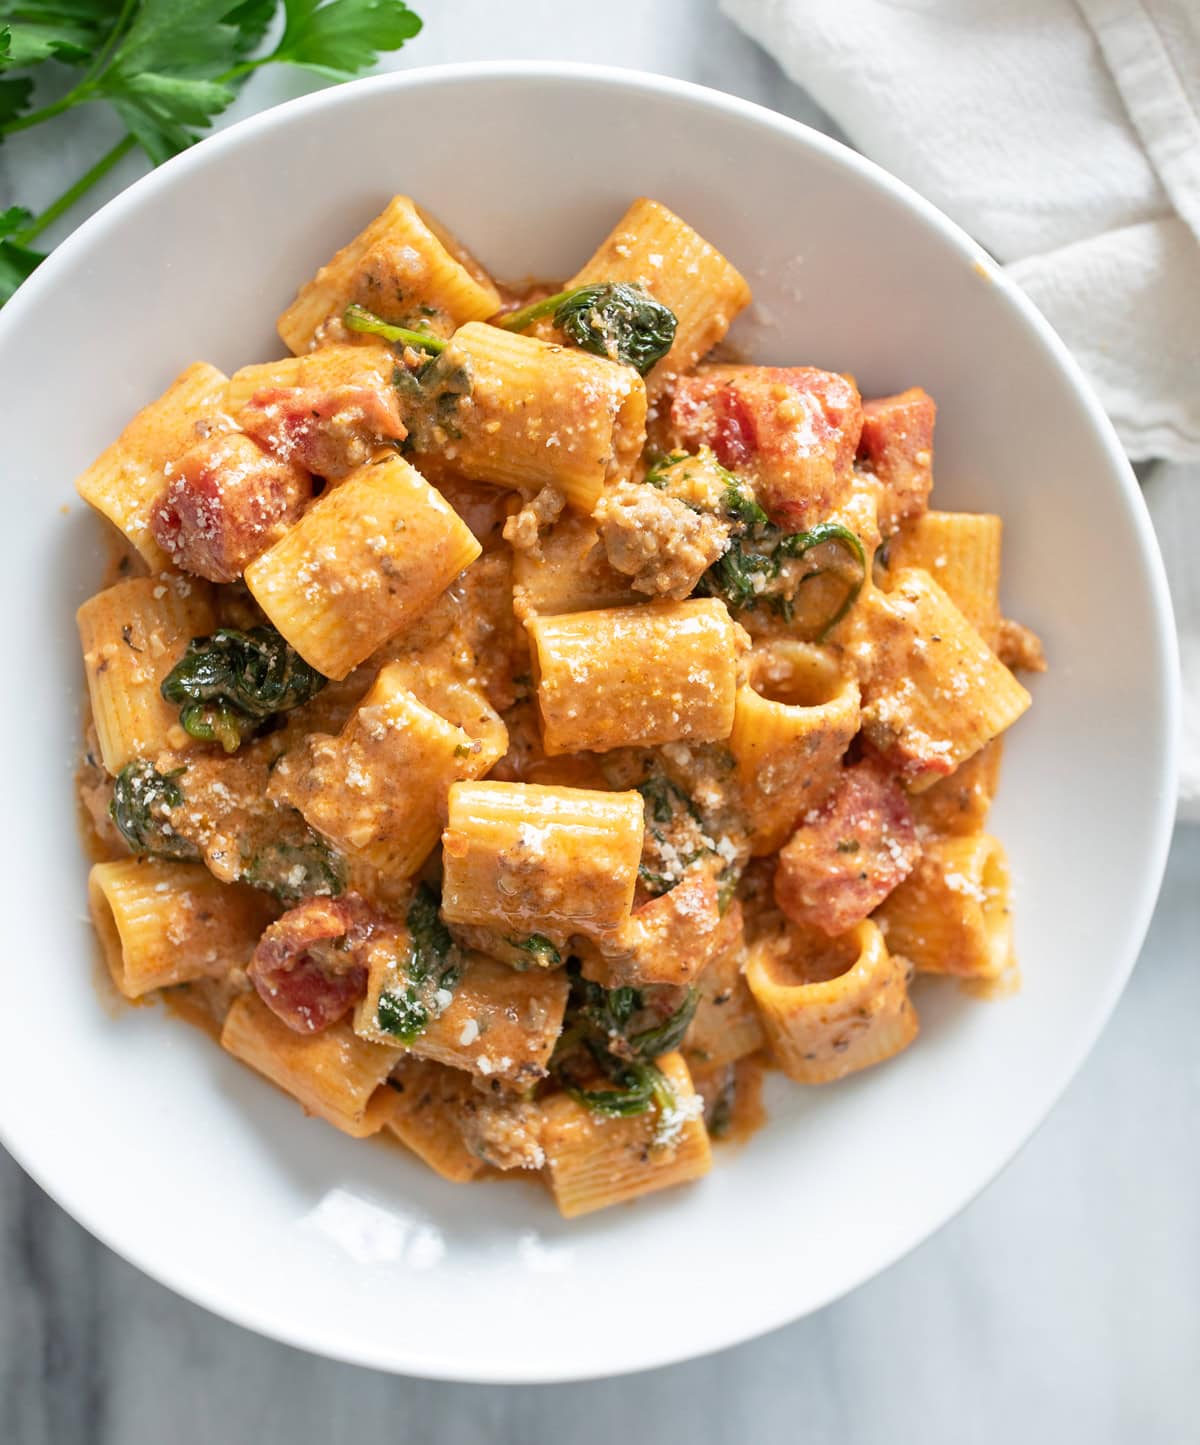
<point x="126" y="481"/>
<point x="520" y="727"/>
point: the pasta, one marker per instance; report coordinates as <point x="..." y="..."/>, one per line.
<point x="405" y="266"/>
<point x="377" y="789"/>
<point x="635" y="676"/>
<point x="364" y="560"/>
<point x="652" y="247"/>
<point x="514" y="727"/>
<point x="525" y="859"/>
<point x="132" y="634"/>
<point x="961" y="552"/>
<point x="831" y="1007"/>
<point x="726" y="1025"/>
<point x="952" y="914"/>
<point x="425" y="1118"/>
<point x="536" y="415"/>
<point x="126" y="481"/>
<point x="593" y="1164"/>
<point x="502" y="1024"/>
<point x="332" y="366"/>
<point x="943" y="693"/>
<point x="161" y="924"/>
<point x="796" y="714"/>
<point x="334" y="1074"/>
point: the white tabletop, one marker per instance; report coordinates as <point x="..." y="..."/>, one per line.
<point x="1063" y="1305"/>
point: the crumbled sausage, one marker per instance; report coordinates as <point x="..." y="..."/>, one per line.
<point x="503" y="1132"/>
<point x="658" y="541"/>
<point x="1020" y="648"/>
<point x="523" y="529"/>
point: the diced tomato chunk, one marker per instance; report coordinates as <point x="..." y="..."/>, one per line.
<point x="226" y="501"/>
<point x="841" y="864"/>
<point x="793" y="430"/>
<point x="897" y="441"/>
<point x="735" y="435"/>
<point x="330" y="432"/>
<point x="307" y="967"/>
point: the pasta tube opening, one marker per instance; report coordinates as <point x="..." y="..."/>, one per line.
<point x="830" y="1006"/>
<point x="794" y="718"/>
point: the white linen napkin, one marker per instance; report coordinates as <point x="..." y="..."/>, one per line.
<point x="1064" y="135"/>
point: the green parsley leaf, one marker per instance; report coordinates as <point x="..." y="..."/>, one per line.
<point x="252" y="20"/>
<point x="162" y="111"/>
<point x="168" y="68"/>
<point x="14" y="97"/>
<point x="17" y="263"/>
<point x="68" y="33"/>
<point x="164" y="77"/>
<point x="341" y="37"/>
<point x="181" y="37"/>
<point x="15" y="219"/>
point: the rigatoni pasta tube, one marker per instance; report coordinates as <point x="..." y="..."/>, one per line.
<point x="370" y="366"/>
<point x="533" y="414"/>
<point x="652" y="248"/>
<point x="161" y="924"/>
<point x="961" y="552"/>
<point x="334" y="1074"/>
<point x="523" y="859"/>
<point x="952" y="913"/>
<point x="635" y="676"/>
<point x="830" y="1006"/>
<point x="405" y="267"/>
<point x="500" y="1023"/>
<point x="426" y="1108"/>
<point x="378" y="789"/>
<point x="960" y="804"/>
<point x="594" y="1161"/>
<point x="937" y="693"/>
<point x="132" y="635"/>
<point x="126" y="481"/>
<point x="795" y="716"/>
<point x="362" y="562"/>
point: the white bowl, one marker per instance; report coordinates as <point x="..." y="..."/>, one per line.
<point x="203" y="1175"/>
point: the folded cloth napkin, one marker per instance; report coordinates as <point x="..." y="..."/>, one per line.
<point x="1064" y="135"/>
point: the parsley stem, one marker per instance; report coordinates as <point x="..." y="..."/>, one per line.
<point x="246" y="67"/>
<point x="73" y="193"/>
<point x="67" y="102"/>
<point x="111" y="41"/>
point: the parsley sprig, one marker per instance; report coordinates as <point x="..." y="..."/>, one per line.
<point x="168" y="68"/>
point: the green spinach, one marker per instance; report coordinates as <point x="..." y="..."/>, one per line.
<point x="229" y="684"/>
<point x="608" y="318"/>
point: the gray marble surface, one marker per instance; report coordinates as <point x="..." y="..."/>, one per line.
<point x="1063" y="1305"/>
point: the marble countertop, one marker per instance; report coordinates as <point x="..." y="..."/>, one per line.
<point x="1062" y="1305"/>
